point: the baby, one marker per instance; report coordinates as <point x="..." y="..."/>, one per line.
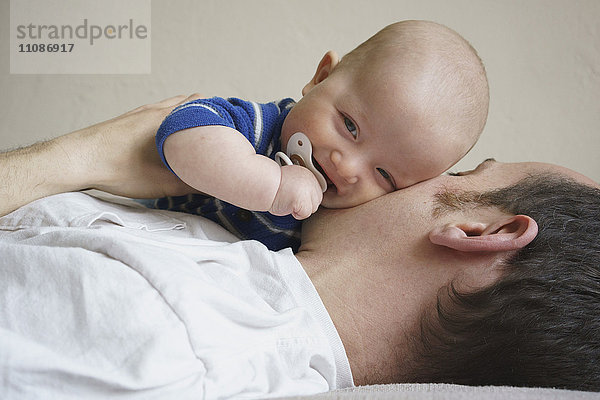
<point x="401" y="108"/>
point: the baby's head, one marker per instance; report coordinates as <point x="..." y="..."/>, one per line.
<point x="401" y="108"/>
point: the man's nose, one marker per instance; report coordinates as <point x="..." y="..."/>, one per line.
<point x="347" y="167"/>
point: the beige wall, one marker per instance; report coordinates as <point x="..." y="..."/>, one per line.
<point x="542" y="57"/>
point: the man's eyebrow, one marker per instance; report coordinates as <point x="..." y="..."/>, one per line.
<point x="485" y="162"/>
<point x="478" y="167"/>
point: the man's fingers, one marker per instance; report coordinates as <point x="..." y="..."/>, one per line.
<point x="192" y="97"/>
<point x="172" y="101"/>
<point x="169" y="103"/>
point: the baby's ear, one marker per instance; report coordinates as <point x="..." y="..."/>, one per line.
<point x="507" y="233"/>
<point x="327" y="64"/>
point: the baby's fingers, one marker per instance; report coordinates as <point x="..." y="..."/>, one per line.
<point x="303" y="211"/>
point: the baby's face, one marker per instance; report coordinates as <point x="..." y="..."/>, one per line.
<point x="369" y="136"/>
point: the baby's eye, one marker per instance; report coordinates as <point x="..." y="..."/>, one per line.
<point x="387" y="177"/>
<point x="351" y="127"/>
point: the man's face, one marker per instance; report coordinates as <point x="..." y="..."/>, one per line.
<point x="393" y="231"/>
<point x="489" y="175"/>
<point x="369" y="134"/>
<point x="409" y="215"/>
<point x="377" y="263"/>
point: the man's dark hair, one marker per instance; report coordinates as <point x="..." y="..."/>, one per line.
<point x="539" y="325"/>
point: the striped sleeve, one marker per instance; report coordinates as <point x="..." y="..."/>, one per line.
<point x="259" y="123"/>
<point x="202" y="112"/>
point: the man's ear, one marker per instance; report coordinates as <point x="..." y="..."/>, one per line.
<point x="327" y="64"/>
<point x="505" y="234"/>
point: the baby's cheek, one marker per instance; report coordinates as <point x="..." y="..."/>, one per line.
<point x="329" y="198"/>
<point x="332" y="200"/>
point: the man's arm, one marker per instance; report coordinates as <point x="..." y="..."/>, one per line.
<point x="33" y="172"/>
<point x="118" y="156"/>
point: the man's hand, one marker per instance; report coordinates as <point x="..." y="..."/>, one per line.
<point x="299" y="193"/>
<point x="117" y="156"/>
<point x="128" y="163"/>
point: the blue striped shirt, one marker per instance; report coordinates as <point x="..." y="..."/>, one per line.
<point x="261" y="125"/>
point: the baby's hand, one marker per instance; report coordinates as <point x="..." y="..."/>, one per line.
<point x="299" y="193"/>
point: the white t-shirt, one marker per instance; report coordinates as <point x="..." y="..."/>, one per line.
<point x="103" y="300"/>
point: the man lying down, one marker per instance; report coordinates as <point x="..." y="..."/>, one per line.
<point x="490" y="276"/>
<point x="105" y="300"/>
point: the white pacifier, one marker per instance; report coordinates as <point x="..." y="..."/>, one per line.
<point x="299" y="152"/>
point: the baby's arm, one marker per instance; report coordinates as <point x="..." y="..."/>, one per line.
<point x="219" y="161"/>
